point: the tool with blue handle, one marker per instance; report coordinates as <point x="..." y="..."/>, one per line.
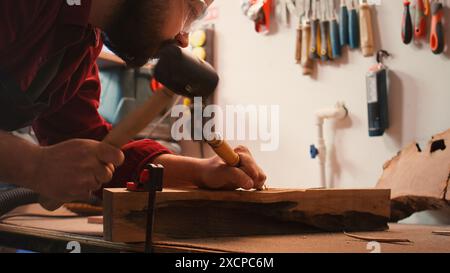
<point x="334" y="33"/>
<point x="343" y="23"/>
<point x="353" y="27"/>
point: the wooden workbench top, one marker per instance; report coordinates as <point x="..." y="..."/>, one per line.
<point x="48" y="235"/>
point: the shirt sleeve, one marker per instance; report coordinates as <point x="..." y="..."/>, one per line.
<point x="79" y="118"/>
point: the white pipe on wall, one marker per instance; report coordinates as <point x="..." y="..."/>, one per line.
<point x="338" y="112"/>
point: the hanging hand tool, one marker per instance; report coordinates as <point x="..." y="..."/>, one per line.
<point x="407" y="24"/>
<point x="307" y="62"/>
<point x="420" y="22"/>
<point x="366" y="33"/>
<point x="334" y="33"/>
<point x="343" y="24"/>
<point x="427" y="5"/>
<point x="325" y="44"/>
<point x="437" y="42"/>
<point x="315" y="32"/>
<point x="353" y="24"/>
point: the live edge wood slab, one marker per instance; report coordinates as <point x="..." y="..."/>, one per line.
<point x="205" y="214"/>
<point x="419" y="177"/>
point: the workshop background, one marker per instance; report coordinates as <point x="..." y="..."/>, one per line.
<point x="260" y="69"/>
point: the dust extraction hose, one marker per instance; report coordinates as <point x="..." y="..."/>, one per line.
<point x="11" y="199"/>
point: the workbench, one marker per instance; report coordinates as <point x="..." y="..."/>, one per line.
<point x="36" y="234"/>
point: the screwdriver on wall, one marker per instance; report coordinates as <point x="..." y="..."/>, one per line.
<point x="343" y="23"/>
<point x="420" y="23"/>
<point x="325" y="44"/>
<point x="407" y="24"/>
<point x="315" y="32"/>
<point x="307" y="62"/>
<point x="299" y="5"/>
<point x="334" y="32"/>
<point x="353" y="24"/>
<point x="437" y="42"/>
<point x="365" y="22"/>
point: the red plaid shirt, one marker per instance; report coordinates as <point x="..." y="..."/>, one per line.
<point x="31" y="32"/>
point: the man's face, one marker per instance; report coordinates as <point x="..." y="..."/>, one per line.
<point x="137" y="40"/>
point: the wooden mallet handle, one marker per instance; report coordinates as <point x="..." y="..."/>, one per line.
<point x="128" y="128"/>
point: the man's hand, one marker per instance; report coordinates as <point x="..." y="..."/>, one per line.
<point x="218" y="176"/>
<point x="71" y="170"/>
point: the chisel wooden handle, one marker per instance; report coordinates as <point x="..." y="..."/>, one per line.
<point x="437" y="42"/>
<point x="366" y="30"/>
<point x="298" y="46"/>
<point x="407" y="25"/>
<point x="307" y="62"/>
<point x="353" y="31"/>
<point x="128" y="128"/>
<point x="420" y="23"/>
<point x="343" y="24"/>
<point x="224" y="150"/>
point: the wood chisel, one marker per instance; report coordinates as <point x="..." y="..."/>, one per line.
<point x="315" y="32"/>
<point x="343" y="24"/>
<point x="407" y="24"/>
<point x="437" y="41"/>
<point x="334" y="33"/>
<point x="420" y="22"/>
<point x="300" y="9"/>
<point x="307" y="62"/>
<point x="223" y="150"/>
<point x="194" y="78"/>
<point x="325" y="44"/>
<point x="353" y="24"/>
<point x="366" y="29"/>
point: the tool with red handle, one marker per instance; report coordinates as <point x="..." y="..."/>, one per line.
<point x="407" y="24"/>
<point x="420" y="23"/>
<point x="437" y="42"/>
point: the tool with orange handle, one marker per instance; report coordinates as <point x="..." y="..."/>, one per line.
<point x="437" y="42"/>
<point x="420" y="22"/>
<point x="223" y="150"/>
<point x="407" y="24"/>
<point x="427" y="6"/>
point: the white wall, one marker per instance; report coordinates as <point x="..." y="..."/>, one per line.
<point x="260" y="70"/>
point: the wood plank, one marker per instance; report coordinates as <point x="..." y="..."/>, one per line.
<point x="419" y="177"/>
<point x="199" y="213"/>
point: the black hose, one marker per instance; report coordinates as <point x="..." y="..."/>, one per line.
<point x="11" y="199"/>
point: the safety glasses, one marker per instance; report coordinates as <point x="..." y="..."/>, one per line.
<point x="195" y="11"/>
